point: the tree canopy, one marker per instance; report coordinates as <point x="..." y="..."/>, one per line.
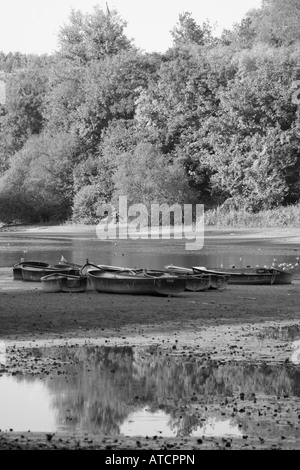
<point x="213" y="120"/>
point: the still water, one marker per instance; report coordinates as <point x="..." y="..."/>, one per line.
<point x="135" y="391"/>
<point x="218" y="251"/>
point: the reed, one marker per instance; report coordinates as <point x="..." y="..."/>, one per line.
<point x="288" y="216"/>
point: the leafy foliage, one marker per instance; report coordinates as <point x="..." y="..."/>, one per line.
<point x="86" y="204"/>
<point x="25" y="91"/>
<point x="38" y="186"/>
<point x="93" y="36"/>
<point x="188" y="31"/>
<point x="212" y="120"/>
<point x="278" y="22"/>
<point x="146" y="177"/>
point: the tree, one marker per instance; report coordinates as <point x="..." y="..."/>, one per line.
<point x="64" y="95"/>
<point x="39" y="180"/>
<point x="276" y="23"/>
<point x="86" y="204"/>
<point x="93" y="36"/>
<point x="174" y="109"/>
<point x="4" y="142"/>
<point x="255" y="110"/>
<point x="25" y="91"/>
<point x="94" y="176"/>
<point x="145" y="176"/>
<point x="279" y="22"/>
<point x="188" y="31"/>
<point x="111" y="88"/>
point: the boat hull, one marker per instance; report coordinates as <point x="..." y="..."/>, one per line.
<point x="17" y="268"/>
<point x="59" y="282"/>
<point x="245" y="277"/>
<point x="52" y="283"/>
<point x="135" y="284"/>
<point x="219" y="281"/>
<point x="197" y="283"/>
<point x="283" y="277"/>
<point x="74" y="284"/>
<point x="194" y="282"/>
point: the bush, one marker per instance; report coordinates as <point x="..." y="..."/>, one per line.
<point x="86" y="203"/>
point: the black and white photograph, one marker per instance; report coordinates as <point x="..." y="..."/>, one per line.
<point x="150" y="227"/>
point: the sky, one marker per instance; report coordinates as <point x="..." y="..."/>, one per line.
<point x="32" y="26"/>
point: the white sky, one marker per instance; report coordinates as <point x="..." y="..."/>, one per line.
<point x="31" y="26"/>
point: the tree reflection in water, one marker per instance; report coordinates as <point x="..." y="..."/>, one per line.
<point x="95" y="389"/>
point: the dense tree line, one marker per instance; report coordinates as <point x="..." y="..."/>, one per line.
<point x="210" y="121"/>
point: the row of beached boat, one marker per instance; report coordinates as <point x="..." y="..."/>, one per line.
<point x="69" y="277"/>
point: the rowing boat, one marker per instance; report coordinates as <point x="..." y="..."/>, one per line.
<point x="194" y="282"/>
<point x="197" y="281"/>
<point x="135" y="283"/>
<point x="35" y="273"/>
<point x="282" y="276"/>
<point x="106" y="268"/>
<point x="52" y="282"/>
<point x="259" y="275"/>
<point x="244" y="276"/>
<point x="219" y="281"/>
<point x="17" y="268"/>
<point x="74" y="283"/>
<point x="60" y="282"/>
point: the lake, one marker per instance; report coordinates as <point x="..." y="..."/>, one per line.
<point x="221" y="249"/>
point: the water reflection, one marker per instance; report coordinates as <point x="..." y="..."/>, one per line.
<point x="26" y="405"/>
<point x="131" y="390"/>
<point x="215" y="427"/>
<point x="144" y="422"/>
<point x="155" y="423"/>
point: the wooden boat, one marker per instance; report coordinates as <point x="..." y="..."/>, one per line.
<point x="52" y="282"/>
<point x="219" y="281"/>
<point x="244" y="276"/>
<point x="194" y="282"/>
<point x="135" y="283"/>
<point x="35" y="273"/>
<point x="17" y="268"/>
<point x="74" y="283"/>
<point x="59" y="282"/>
<point x="199" y="281"/>
<point x="282" y="276"/>
<point x="107" y="268"/>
